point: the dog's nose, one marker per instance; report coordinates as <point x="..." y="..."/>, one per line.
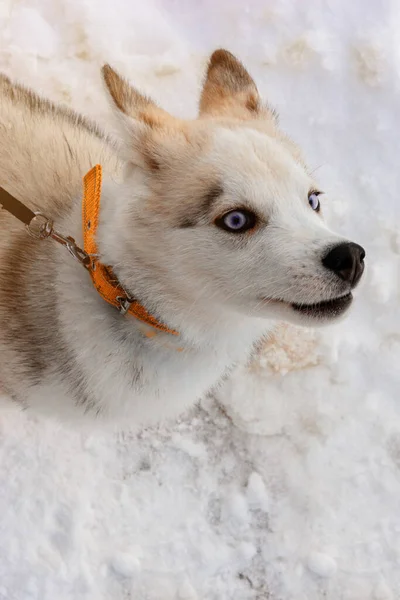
<point x="347" y="261"/>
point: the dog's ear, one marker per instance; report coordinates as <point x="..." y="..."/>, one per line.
<point x="144" y="127"/>
<point x="229" y="90"/>
<point x="129" y="100"/>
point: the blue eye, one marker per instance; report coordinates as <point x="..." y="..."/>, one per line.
<point x="313" y="201"/>
<point x="237" y="221"/>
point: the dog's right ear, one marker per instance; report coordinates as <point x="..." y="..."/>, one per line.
<point x="230" y="91"/>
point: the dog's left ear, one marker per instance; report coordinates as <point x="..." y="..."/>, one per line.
<point x="145" y="129"/>
<point x="229" y="90"/>
<point x="130" y="101"/>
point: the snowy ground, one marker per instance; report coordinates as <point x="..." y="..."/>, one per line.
<point x="291" y="491"/>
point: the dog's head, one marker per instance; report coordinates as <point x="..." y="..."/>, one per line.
<point x="224" y="208"/>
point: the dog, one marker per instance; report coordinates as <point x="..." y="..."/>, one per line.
<point x="213" y="226"/>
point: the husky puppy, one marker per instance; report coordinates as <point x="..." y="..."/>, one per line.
<point x="214" y="225"/>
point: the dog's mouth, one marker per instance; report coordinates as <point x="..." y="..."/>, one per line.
<point x="326" y="309"/>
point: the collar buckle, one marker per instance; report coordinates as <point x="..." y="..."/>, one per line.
<point x="124" y="304"/>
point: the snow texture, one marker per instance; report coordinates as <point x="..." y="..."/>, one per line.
<point x="288" y="486"/>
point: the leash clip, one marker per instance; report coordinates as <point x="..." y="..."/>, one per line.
<point x="41" y="227"/>
<point x="69" y="243"/>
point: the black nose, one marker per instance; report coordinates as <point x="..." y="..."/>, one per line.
<point x="347" y="261"/>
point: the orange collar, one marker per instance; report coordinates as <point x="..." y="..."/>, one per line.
<point x="103" y="279"/>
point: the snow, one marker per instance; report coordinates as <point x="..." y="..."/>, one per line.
<point x="322" y="564"/>
<point x="287" y="485"/>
